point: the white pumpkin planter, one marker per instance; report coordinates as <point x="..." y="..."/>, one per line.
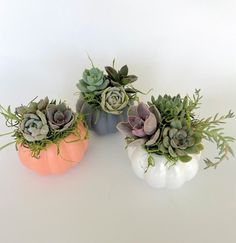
<point x="161" y="175"/>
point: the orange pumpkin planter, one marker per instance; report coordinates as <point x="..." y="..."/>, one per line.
<point x="50" y="162"/>
<point x="50" y="137"/>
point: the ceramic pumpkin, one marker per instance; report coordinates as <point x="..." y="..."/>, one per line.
<point x="99" y="121"/>
<point x="165" y="139"/>
<point x="49" y="161"/>
<point x="160" y="175"/>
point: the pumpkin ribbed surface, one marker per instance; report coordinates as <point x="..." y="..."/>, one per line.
<point x="49" y="162"/>
<point x="99" y="121"/>
<point x="161" y="175"/>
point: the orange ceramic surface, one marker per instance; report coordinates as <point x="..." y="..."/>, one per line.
<point x="49" y="162"/>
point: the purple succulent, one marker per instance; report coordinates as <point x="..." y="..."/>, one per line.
<point x="142" y="123"/>
<point x="59" y="116"/>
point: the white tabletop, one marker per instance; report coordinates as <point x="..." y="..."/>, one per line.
<point x="172" y="46"/>
<point x="101" y="200"/>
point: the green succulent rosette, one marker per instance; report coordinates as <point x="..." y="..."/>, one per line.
<point x="114" y="100"/>
<point x="180" y="141"/>
<point x="93" y="81"/>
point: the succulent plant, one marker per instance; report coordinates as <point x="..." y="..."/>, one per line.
<point x="59" y="116"/>
<point x="179" y="141"/>
<point x="93" y="81"/>
<point x="170" y="106"/>
<point x="114" y="100"/>
<point x="39" y="124"/>
<point x="34" y="126"/>
<point x="33" y="107"/>
<point x="43" y="103"/>
<point x="143" y="123"/>
<point x="121" y="77"/>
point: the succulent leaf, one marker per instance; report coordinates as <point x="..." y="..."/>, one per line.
<point x="153" y="138"/>
<point x="185" y="158"/>
<point x="124" y="71"/>
<point x="112" y="73"/>
<point x="125" y="129"/>
<point x="150" y="124"/>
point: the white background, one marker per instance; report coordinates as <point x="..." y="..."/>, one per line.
<point x="173" y="46"/>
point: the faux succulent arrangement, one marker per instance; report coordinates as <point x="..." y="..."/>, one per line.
<point x="105" y="97"/>
<point x="168" y="126"/>
<point x="110" y="91"/>
<point x="40" y="124"/>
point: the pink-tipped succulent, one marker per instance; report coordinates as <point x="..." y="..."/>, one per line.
<point x="143" y="123"/>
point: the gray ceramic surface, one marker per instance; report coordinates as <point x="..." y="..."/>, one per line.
<point x="100" y="122"/>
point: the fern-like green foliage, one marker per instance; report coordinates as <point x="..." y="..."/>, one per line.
<point x="212" y="132"/>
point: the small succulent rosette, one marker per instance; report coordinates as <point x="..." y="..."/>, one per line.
<point x="49" y="136"/>
<point x="105" y="97"/>
<point x="165" y="139"/>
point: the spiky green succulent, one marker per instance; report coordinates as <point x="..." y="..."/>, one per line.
<point x="120" y="77"/>
<point x="170" y="106"/>
<point x="93" y="81"/>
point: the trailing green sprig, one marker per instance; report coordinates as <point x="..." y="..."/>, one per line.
<point x="12" y="119"/>
<point x="213" y="133"/>
<point x="191" y="104"/>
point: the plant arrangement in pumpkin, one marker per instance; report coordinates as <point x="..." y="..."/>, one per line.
<point x="39" y="125"/>
<point x="107" y="92"/>
<point x="168" y="127"/>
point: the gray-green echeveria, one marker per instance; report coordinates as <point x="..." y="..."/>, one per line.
<point x="59" y="116"/>
<point x="179" y="141"/>
<point x="93" y="80"/>
<point x="114" y="100"/>
<point x="34" y="126"/>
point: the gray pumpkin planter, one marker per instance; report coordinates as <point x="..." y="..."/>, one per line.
<point x="99" y="121"/>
